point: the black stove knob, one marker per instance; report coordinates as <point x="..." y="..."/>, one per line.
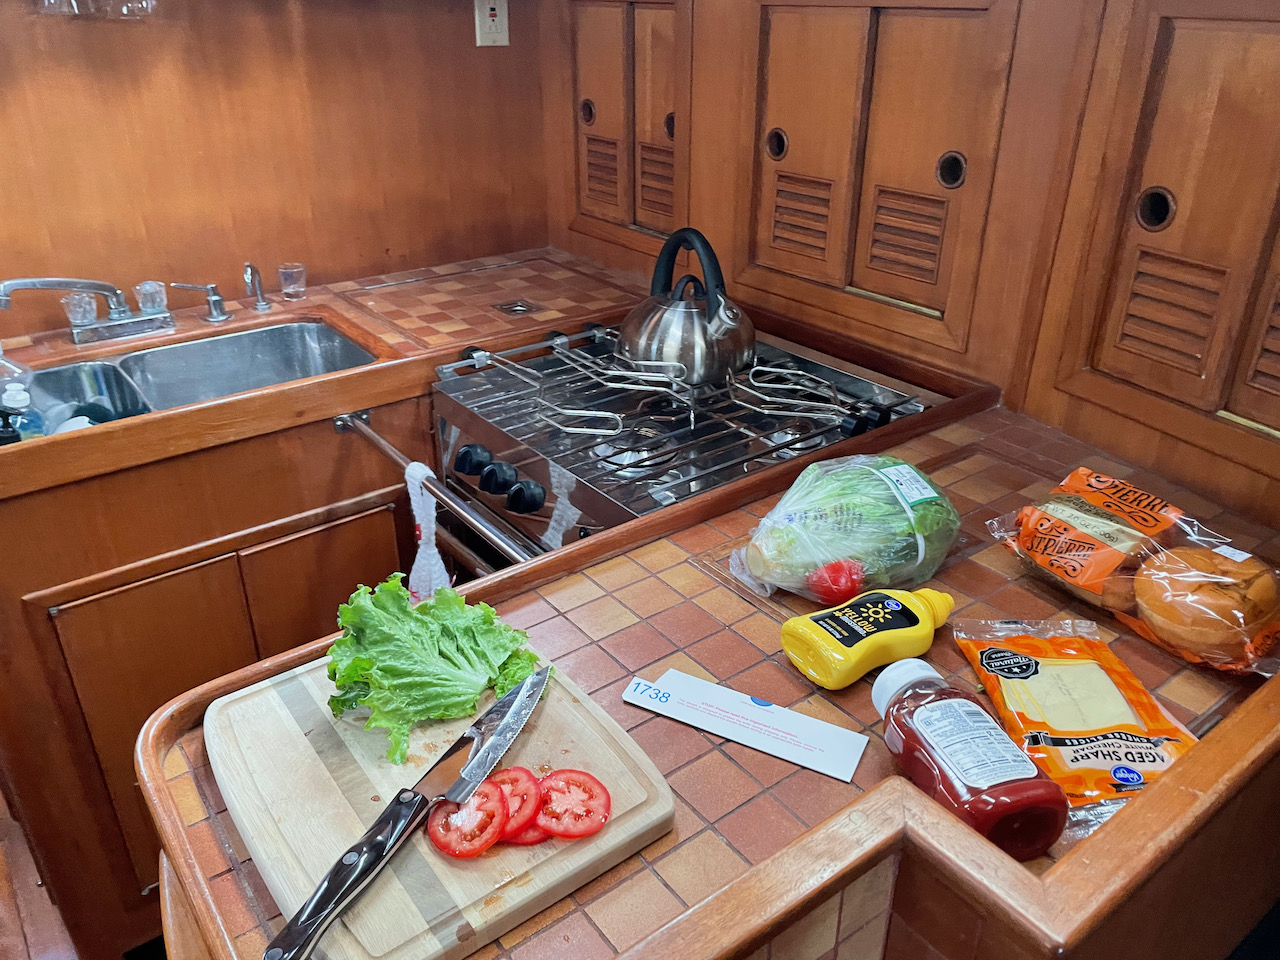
<point x="472" y="458"/>
<point x="852" y="426"/>
<point x="527" y="496"/>
<point x="497" y="477"/>
<point x="879" y="416"/>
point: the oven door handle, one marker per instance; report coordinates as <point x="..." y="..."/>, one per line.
<point x="506" y="546"/>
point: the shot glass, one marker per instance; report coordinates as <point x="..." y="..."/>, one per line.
<point x="293" y="280"/>
<point x="82" y="309"/>
<point x="151" y="296"/>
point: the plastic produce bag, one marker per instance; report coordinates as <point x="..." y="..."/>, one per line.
<point x="846" y="525"/>
<point x="1162" y="573"/>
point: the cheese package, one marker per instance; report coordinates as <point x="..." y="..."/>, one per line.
<point x="1073" y="706"/>
<point x="1161" y="572"/>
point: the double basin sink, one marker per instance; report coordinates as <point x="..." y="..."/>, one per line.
<point x="160" y="378"/>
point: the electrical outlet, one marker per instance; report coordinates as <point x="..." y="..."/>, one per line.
<point x="491" y="24"/>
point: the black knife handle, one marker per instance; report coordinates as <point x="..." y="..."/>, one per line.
<point x="353" y="872"/>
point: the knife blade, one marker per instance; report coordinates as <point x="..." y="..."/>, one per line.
<point x="454" y="776"/>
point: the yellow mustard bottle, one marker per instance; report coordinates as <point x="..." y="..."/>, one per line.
<point x="836" y="646"/>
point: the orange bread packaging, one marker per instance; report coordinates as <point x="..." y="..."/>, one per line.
<point x="1162" y="573"/>
<point x="1075" y="709"/>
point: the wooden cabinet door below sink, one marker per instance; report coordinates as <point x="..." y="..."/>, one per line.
<point x="295" y="584"/>
<point x="132" y="649"/>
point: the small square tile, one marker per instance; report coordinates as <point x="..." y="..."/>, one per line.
<point x="763" y="631"/>
<point x="210" y="854"/>
<point x="569" y="592"/>
<point x="761" y="828"/>
<point x="539" y="921"/>
<point x="700" y="867"/>
<point x="677" y="661"/>
<point x="713" y="785"/>
<point x="811" y="936"/>
<point x="725" y="605"/>
<point x="647" y="597"/>
<point x="524" y="611"/>
<point x="609" y="697"/>
<point x="698" y="539"/>
<point x="231" y="901"/>
<point x="687" y="824"/>
<point x="175" y="764"/>
<point x="616" y="573"/>
<point x="187" y="798"/>
<point x="877" y="764"/>
<point x="632" y="911"/>
<point x="1195" y="689"/>
<point x="685" y="623"/>
<point x="590" y="668"/>
<point x="574" y="936"/>
<point x="669" y="744"/>
<point x="855" y="700"/>
<point x="764" y="767"/>
<point x="769" y="681"/>
<point x="724" y="653"/>
<point x="1148" y="662"/>
<point x="687" y="579"/>
<point x="868" y="897"/>
<point x="659" y="555"/>
<point x="233" y="838"/>
<point x="867" y="942"/>
<point x="820" y="708"/>
<point x="736" y="524"/>
<point x="599" y="618"/>
<point x="814" y="796"/>
<point x="556" y="637"/>
<point x="637" y="646"/>
<point x="608" y="880"/>
<point x="251" y="945"/>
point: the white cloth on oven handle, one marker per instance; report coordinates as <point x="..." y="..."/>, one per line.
<point x="428" y="572"/>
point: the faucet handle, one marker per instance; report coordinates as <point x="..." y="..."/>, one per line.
<point x="217" y="308"/>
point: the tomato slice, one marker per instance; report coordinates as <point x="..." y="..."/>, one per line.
<point x="472" y="828"/>
<point x="529" y="836"/>
<point x="574" y="804"/>
<point x="524" y="796"/>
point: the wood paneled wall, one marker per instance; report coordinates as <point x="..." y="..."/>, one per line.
<point x="358" y="136"/>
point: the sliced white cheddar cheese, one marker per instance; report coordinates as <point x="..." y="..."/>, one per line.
<point x="1069" y="696"/>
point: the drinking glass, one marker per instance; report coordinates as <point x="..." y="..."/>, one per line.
<point x="82" y="309"/>
<point x="293" y="280"/>
<point x="151" y="296"/>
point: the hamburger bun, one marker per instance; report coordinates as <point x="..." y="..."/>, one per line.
<point x="1204" y="603"/>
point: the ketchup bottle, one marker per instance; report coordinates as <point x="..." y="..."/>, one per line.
<point x="957" y="753"/>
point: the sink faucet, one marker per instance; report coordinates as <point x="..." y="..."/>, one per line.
<point x="120" y="321"/>
<point x="253" y="285"/>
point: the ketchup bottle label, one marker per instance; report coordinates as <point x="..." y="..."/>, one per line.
<point x="972" y="744"/>
<point x="864" y="615"/>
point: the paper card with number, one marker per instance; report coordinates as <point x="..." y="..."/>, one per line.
<point x="753" y="722"/>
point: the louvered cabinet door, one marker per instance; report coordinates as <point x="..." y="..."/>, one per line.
<point x="937" y="98"/>
<point x="1198" y="207"/>
<point x="602" y="80"/>
<point x="655" y="116"/>
<point x="813" y="61"/>
<point x="1256" y="394"/>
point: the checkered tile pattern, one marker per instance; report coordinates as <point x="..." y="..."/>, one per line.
<point x="671" y="603"/>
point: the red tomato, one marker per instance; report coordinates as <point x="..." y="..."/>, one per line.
<point x="531" y="835"/>
<point x="836" y="582"/>
<point x="471" y="829"/>
<point x="524" y="796"/>
<point x="574" y="804"/>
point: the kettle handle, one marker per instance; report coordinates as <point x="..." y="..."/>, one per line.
<point x="664" y="270"/>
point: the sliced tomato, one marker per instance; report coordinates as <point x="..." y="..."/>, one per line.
<point x="472" y="828"/>
<point x="524" y="796"/>
<point x="574" y="804"/>
<point x="529" y="836"/>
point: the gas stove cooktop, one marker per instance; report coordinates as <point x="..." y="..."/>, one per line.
<point x="595" y="441"/>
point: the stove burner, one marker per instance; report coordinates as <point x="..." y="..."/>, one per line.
<point x="787" y="435"/>
<point x="636" y="451"/>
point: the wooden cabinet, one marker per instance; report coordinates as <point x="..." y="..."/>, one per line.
<point x="294" y="584"/>
<point x="130" y="650"/>
<point x="875" y="140"/>
<point x="630" y="101"/>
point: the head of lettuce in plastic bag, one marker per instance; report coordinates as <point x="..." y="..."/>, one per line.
<point x="877" y="510"/>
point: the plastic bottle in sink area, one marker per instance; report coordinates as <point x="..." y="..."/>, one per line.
<point x="27" y="419"/>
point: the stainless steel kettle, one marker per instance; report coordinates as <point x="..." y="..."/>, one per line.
<point x="708" y="335"/>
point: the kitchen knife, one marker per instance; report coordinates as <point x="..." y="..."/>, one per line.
<point x="454" y="776"/>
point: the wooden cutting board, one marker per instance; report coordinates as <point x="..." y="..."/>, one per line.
<point x="302" y="786"/>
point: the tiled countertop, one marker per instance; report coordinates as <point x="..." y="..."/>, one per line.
<point x="671" y="603"/>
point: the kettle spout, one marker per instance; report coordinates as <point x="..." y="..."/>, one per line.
<point x="725" y="321"/>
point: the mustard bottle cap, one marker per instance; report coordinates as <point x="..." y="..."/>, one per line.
<point x="939" y="604"/>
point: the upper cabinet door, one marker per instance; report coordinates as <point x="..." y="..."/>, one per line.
<point x="602" y="81"/>
<point x="813" y="66"/>
<point x="655" y="117"/>
<point x="1198" y="204"/>
<point x="937" y="99"/>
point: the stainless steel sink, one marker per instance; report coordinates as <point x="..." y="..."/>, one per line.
<point x="182" y="373"/>
<point x="57" y="392"/>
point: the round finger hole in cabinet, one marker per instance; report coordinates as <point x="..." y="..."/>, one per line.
<point x="669" y="125"/>
<point x="588" y="112"/>
<point x="951" y="169"/>
<point x="776" y="143"/>
<point x="1155" y="209"/>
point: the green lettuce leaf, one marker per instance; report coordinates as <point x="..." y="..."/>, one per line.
<point x="427" y="662"/>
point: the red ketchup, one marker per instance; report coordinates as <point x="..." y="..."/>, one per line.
<point x="958" y="754"/>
